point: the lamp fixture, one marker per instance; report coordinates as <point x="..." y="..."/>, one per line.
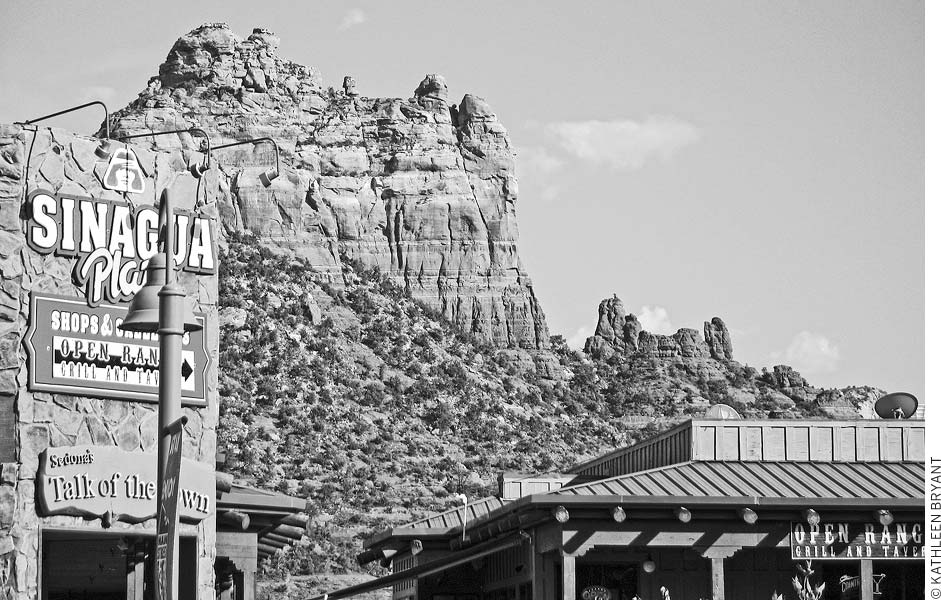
<point x="884" y="517"/>
<point x="197" y="168"/>
<point x="143" y="313"/>
<point x="618" y="514"/>
<point x="74" y="108"/>
<point x="103" y="149"/>
<point x="271" y="174"/>
<point x="561" y="514"/>
<point x="748" y="515"/>
<point x="812" y="517"/>
<point x="649" y="566"/>
<point x="683" y="514"/>
<point x="416" y="547"/>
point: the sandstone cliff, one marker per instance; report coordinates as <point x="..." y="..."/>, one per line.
<point x="421" y="188"/>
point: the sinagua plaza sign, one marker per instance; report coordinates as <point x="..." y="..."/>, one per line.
<point x="857" y="540"/>
<point x="76" y="346"/>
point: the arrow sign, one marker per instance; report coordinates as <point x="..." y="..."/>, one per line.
<point x="186" y="370"/>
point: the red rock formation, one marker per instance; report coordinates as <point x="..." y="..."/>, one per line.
<point x="420" y="188"/>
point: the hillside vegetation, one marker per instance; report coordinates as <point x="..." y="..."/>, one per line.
<point x="367" y="404"/>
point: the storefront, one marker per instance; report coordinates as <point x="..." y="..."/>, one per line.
<point x="709" y="509"/>
<point x="78" y="419"/>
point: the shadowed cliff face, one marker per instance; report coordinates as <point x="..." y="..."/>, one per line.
<point x="419" y="187"/>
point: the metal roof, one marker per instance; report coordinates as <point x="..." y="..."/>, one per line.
<point x="454" y="517"/>
<point x="772" y="480"/>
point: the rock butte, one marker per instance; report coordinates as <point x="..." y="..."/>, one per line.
<point x="423" y="189"/>
<point x="419" y="187"/>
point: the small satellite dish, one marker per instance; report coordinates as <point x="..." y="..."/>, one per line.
<point x="898" y="405"/>
<point x="723" y="412"/>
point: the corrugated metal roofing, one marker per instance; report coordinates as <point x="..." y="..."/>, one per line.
<point x="765" y="479"/>
<point x="453" y="517"/>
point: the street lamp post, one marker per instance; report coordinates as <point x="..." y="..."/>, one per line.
<point x="166" y="313"/>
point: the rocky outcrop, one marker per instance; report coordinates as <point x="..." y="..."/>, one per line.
<point x="419" y="187"/>
<point x="620" y="333"/>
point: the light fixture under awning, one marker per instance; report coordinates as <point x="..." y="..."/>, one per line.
<point x="430" y="568"/>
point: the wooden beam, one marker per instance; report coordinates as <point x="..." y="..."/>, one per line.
<point x="568" y="577"/>
<point x="274" y="537"/>
<point x="865" y="579"/>
<point x="237" y="519"/>
<point x="718" y="579"/>
<point x="294" y="533"/>
<point x="295" y="520"/>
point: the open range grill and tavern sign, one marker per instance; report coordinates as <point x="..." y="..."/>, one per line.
<point x="75" y="346"/>
<point x="857" y="540"/>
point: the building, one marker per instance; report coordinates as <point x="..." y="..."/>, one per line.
<point x="709" y="509"/>
<point x="78" y="418"/>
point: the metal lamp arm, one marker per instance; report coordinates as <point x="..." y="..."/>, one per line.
<point x="74" y="108"/>
<point x="190" y="131"/>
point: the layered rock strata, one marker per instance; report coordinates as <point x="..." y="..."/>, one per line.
<point x="419" y="187"/>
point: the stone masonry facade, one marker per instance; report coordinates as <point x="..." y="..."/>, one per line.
<point x="64" y="163"/>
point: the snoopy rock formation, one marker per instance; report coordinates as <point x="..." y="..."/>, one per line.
<point x="619" y="333"/>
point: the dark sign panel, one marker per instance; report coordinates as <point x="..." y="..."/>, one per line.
<point x="88" y="481"/>
<point x="79" y="350"/>
<point x="857" y="540"/>
<point x="166" y="514"/>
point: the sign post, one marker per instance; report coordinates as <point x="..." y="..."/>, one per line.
<point x="170" y="321"/>
<point x="166" y="551"/>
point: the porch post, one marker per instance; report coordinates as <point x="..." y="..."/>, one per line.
<point x="865" y="579"/>
<point x="542" y="573"/>
<point x="568" y="577"/>
<point x="718" y="578"/>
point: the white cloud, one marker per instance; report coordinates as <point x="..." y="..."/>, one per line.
<point x="536" y="160"/>
<point x="623" y="143"/>
<point x="655" y="320"/>
<point x="352" y="18"/>
<point x="811" y="353"/>
<point x="576" y="341"/>
<point x="535" y="168"/>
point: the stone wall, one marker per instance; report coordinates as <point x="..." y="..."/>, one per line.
<point x="63" y="163"/>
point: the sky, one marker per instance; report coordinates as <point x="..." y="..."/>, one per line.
<point x="758" y="161"/>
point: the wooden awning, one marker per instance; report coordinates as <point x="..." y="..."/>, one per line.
<point x="278" y="520"/>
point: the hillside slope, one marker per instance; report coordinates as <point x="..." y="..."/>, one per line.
<point x="379" y="411"/>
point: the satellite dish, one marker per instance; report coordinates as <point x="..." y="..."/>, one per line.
<point x="723" y="412"/>
<point x="898" y="405"/>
